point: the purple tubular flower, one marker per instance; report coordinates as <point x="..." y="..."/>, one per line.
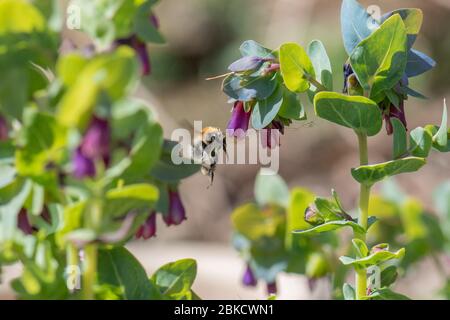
<point x="82" y="166"/>
<point x="271" y="134"/>
<point x="248" y="63"/>
<point x="141" y="50"/>
<point x="238" y="124"/>
<point x="272" y="288"/>
<point x="23" y="223"/>
<point x="395" y="112"/>
<point x="154" y="21"/>
<point x="176" y="213"/>
<point x="148" y="229"/>
<point x="3" y="129"/>
<point x="95" y="143"/>
<point x="248" y="278"/>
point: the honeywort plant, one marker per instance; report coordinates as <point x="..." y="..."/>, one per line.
<point x="264" y="86"/>
<point x="262" y="234"/>
<point x="83" y="165"/>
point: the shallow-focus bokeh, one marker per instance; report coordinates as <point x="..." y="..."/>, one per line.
<point x="203" y="38"/>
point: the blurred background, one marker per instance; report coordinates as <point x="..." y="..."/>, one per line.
<point x="203" y="37"/>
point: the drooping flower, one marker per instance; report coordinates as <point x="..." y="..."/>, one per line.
<point x="140" y="47"/>
<point x="95" y="146"/>
<point x="23" y="223"/>
<point x="313" y="217"/>
<point x="148" y="228"/>
<point x="82" y="166"/>
<point x="395" y="112"/>
<point x="176" y="213"/>
<point x="95" y="143"/>
<point x="249" y="279"/>
<point x="270" y="137"/>
<point x="3" y="129"/>
<point x="272" y="288"/>
<point x="239" y="122"/>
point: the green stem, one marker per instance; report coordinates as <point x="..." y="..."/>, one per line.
<point x="364" y="196"/>
<point x="90" y="271"/>
<point x="316" y="83"/>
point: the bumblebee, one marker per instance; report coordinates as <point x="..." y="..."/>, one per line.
<point x="207" y="145"/>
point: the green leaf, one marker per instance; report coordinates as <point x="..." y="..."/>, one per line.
<point x="130" y="198"/>
<point x="387" y="294"/>
<point x="441" y="138"/>
<point x="165" y="170"/>
<point x="113" y="73"/>
<point x="143" y="26"/>
<point x="252" y="48"/>
<point x="292" y="107"/>
<point x="149" y="137"/>
<point x="322" y="66"/>
<point x="300" y="199"/>
<point x="45" y="140"/>
<point x="270" y="188"/>
<point x="360" y="248"/>
<point x="388" y="276"/>
<point x="400" y="146"/>
<point x="175" y="279"/>
<point x="69" y="67"/>
<point x="356" y="24"/>
<point x="118" y="267"/>
<point x="379" y="61"/>
<point x="358" y="113"/>
<point x="420" y="142"/>
<point x="331" y="226"/>
<point x="19" y="16"/>
<point x="296" y="67"/>
<point x="349" y="292"/>
<point x="266" y="110"/>
<point x="255" y="223"/>
<point x="371" y="174"/>
<point x="373" y="259"/>
<point x="247" y="88"/>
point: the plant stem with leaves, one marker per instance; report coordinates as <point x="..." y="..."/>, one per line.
<point x="364" y="196"/>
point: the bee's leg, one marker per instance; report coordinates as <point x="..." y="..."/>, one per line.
<point x="211" y="179"/>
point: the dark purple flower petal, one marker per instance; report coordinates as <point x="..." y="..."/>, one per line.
<point x="272" y="288"/>
<point x="95" y="143"/>
<point x="148" y="229"/>
<point x="3" y="129"/>
<point x="142" y="52"/>
<point x="239" y="121"/>
<point x="270" y="136"/>
<point x="154" y="21"/>
<point x="395" y="112"/>
<point x="248" y="278"/>
<point x="176" y="213"/>
<point x="82" y="166"/>
<point x="23" y="223"/>
<point x="248" y="63"/>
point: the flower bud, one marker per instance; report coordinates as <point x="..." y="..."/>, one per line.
<point x="239" y="121"/>
<point x="271" y="134"/>
<point x="23" y="223"/>
<point x="176" y="213"/>
<point x="313" y="217"/>
<point x="148" y="229"/>
<point x="95" y="143"/>
<point x="379" y="247"/>
<point x="82" y="166"/>
<point x="272" y="288"/>
<point x="249" y="279"/>
<point x="3" y="129"/>
<point x="248" y="63"/>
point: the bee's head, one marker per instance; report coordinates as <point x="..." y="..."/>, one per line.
<point x="213" y="135"/>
